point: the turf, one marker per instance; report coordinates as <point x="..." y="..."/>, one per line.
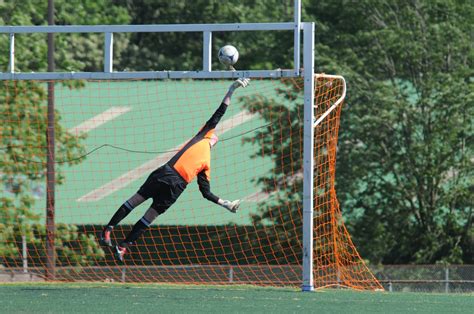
<point x="135" y="298"/>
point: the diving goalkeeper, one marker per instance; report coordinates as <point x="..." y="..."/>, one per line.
<point x="165" y="184"/>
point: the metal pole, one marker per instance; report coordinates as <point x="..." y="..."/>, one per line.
<point x="108" y="52"/>
<point x="124" y="273"/>
<point x="231" y="274"/>
<point x="12" y="53"/>
<point x="50" y="171"/>
<point x="151" y="28"/>
<point x="24" y="254"/>
<point x="446" y="278"/>
<point x="308" y="153"/>
<point x="207" y="51"/>
<point x="296" y="44"/>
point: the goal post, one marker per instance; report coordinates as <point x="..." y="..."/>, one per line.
<point x="318" y="250"/>
<point x="308" y="155"/>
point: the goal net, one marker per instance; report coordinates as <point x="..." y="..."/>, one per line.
<point x="110" y="135"/>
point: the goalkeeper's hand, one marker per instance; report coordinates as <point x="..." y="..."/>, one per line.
<point x="231" y="206"/>
<point x="241" y="82"/>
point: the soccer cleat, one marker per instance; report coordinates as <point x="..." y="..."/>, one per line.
<point x="105" y="237"/>
<point x="120" y="252"/>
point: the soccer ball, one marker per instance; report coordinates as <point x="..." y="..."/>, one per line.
<point x="228" y="55"/>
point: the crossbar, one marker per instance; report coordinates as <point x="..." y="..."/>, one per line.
<point x="155" y="28"/>
<point x="109" y="30"/>
<point x="148" y="75"/>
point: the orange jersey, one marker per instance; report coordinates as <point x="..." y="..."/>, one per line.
<point x="194" y="158"/>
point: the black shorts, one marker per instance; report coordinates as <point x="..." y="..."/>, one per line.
<point x="164" y="185"/>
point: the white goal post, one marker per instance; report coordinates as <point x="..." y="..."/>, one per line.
<point x="206" y="72"/>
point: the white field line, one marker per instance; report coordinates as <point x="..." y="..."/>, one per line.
<point x="262" y="195"/>
<point x="132" y="175"/>
<point x="257" y="197"/>
<point x="99" y="119"/>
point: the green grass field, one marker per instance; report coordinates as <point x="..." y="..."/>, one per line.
<point x="147" y="298"/>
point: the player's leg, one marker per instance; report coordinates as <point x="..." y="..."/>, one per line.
<point x="138" y="229"/>
<point x="146" y="191"/>
<point x="119" y="215"/>
<point x="165" y="192"/>
<point x="126" y="209"/>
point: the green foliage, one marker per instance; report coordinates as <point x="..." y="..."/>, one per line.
<point x="183" y="51"/>
<point x="23" y="165"/>
<point x="73" y="52"/>
<point x="404" y="174"/>
<point x="24" y="103"/>
<point x="404" y="160"/>
<point x="72" y="247"/>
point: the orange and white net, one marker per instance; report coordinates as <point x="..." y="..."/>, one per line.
<point x="111" y="134"/>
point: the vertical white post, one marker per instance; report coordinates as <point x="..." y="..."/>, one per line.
<point x="231" y="274"/>
<point x="207" y="51"/>
<point x="108" y="52"/>
<point x="12" y="53"/>
<point x="308" y="152"/>
<point x="296" y="44"/>
<point x="24" y="254"/>
<point x="124" y="271"/>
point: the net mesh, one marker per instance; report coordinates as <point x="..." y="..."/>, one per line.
<point x="111" y="134"/>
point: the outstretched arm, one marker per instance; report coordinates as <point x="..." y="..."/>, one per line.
<point x="205" y="188"/>
<point x="216" y="117"/>
<point x="241" y="82"/>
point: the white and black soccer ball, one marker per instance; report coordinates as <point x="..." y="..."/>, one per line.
<point x="228" y="55"/>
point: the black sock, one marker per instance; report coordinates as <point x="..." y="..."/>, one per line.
<point x="136" y="232"/>
<point x="119" y="215"/>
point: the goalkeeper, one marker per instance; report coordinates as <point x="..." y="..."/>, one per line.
<point x="165" y="184"/>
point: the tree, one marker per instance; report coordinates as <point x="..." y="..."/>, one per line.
<point x="73" y="52"/>
<point x="279" y="218"/>
<point x="404" y="174"/>
<point x="183" y="51"/>
<point x="24" y="121"/>
<point x="408" y="185"/>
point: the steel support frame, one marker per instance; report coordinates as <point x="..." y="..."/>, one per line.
<point x="206" y="73"/>
<point x="308" y="156"/>
<point x="109" y="30"/>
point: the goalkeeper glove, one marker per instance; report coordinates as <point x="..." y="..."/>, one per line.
<point x="230" y="206"/>
<point x="241" y="82"/>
